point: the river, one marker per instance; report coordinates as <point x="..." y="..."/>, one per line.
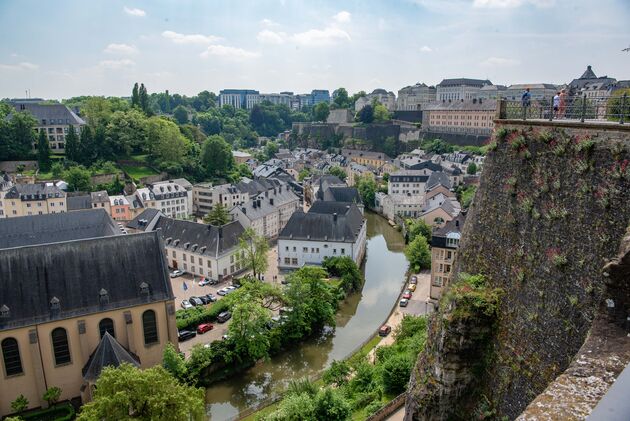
<point x="358" y="317"/>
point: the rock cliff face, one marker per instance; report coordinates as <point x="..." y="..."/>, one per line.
<point x="551" y="211"/>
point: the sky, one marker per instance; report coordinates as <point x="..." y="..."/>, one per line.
<point x="64" y="48"/>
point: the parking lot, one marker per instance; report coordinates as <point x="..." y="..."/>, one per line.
<point x="419" y="302"/>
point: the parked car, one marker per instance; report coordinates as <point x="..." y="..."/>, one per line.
<point x="384" y="330"/>
<point x="222" y="291"/>
<point x="204" y="299"/>
<point x="204" y="282"/>
<point x="403" y="302"/>
<point x="414" y="279"/>
<point x="184" y="335"/>
<point x="210" y="298"/>
<point x="176" y="273"/>
<point x="224" y="317"/>
<point x="407" y="294"/>
<point x="412" y="287"/>
<point x="204" y="327"/>
<point x="225" y="337"/>
<point x="195" y="301"/>
<point x="230" y="289"/>
<point x="186" y="305"/>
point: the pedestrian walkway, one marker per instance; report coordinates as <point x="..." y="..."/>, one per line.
<point x="398" y="415"/>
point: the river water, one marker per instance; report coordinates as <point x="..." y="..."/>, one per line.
<point x="358" y="317"/>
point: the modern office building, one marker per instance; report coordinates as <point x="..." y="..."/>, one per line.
<point x="239" y="98"/>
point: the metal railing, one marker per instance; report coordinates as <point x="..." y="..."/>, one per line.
<point x="582" y="108"/>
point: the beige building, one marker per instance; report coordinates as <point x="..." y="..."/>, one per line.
<point x="171" y="197"/>
<point x="388" y="99"/>
<point x="51" y="326"/>
<point x="413" y="98"/>
<point x="444" y="245"/>
<point x="31" y="199"/>
<point x="469" y="117"/>
<point x="200" y="249"/>
<point x="460" y="89"/>
<point x="206" y="196"/>
<point x="100" y="199"/>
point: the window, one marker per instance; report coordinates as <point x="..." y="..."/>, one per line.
<point x="184" y="256"/>
<point x="106" y="325"/>
<point x="174" y="254"/>
<point x="294" y="261"/>
<point x="61" y="349"/>
<point x="200" y="262"/>
<point x="304" y="249"/>
<point x="149" y="327"/>
<point x="343" y="251"/>
<point x="287" y="261"/>
<point x="11" y="357"/>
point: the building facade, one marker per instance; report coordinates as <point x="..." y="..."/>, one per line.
<point x="444" y="245"/>
<point x="169" y="197"/>
<point x="468" y="117"/>
<point x="538" y="91"/>
<point x="460" y="89"/>
<point x="31" y="199"/>
<point x="413" y="98"/>
<point x="239" y="98"/>
<point x="120" y="208"/>
<point x="388" y="99"/>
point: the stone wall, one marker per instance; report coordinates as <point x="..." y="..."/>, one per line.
<point x="551" y="210"/>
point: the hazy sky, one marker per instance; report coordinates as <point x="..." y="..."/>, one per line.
<point x="64" y="48"/>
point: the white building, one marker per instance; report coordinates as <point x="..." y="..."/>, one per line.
<point x="538" y="91"/>
<point x="239" y="98"/>
<point x="458" y="89"/>
<point x="168" y="197"/>
<point x="329" y="229"/>
<point x="268" y="212"/>
<point x="412" y="98"/>
<point x="206" y="196"/>
<point x="388" y="99"/>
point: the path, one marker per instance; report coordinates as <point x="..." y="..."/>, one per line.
<point x="398" y="415"/>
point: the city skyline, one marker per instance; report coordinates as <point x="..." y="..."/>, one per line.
<point x="275" y="45"/>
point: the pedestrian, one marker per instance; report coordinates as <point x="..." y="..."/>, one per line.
<point x="562" y="108"/>
<point x="526" y="101"/>
<point x="556" y="104"/>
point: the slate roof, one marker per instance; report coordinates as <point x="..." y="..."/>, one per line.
<point x="438" y="237"/>
<point x="260" y="205"/>
<point x="464" y="81"/>
<point x="55" y="227"/>
<point x="202" y="239"/>
<point x="58" y="113"/>
<point x="319" y="223"/>
<point x="130" y="269"/>
<point x="109" y="352"/>
<point x="486" y="105"/>
<point x="75" y="203"/>
<point x="437" y="178"/>
<point x="350" y="153"/>
<point x="147" y="215"/>
<point x="37" y="191"/>
<point x="342" y="194"/>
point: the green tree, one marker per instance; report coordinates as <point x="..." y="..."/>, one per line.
<point x="381" y="113"/>
<point x="254" y="248"/>
<point x="127" y="132"/>
<point x="396" y="372"/>
<point x="437" y="146"/>
<point x="181" y="114"/>
<point x="97" y="110"/>
<point x="340" y="98"/>
<point x="72" y="145"/>
<point x="43" y="152"/>
<point x="19" y="404"/>
<point x="303" y="174"/>
<point x="78" y="178"/>
<point x="165" y="141"/>
<point x="57" y="170"/>
<point x="135" y="96"/>
<point x="345" y="268"/>
<point x="143" y="98"/>
<point x="418" y="227"/>
<point x="337" y="374"/>
<point x="366" y="114"/>
<point x="218" y="215"/>
<point x="472" y="169"/>
<point x="21" y="135"/>
<point x="418" y="254"/>
<point x="271" y="149"/>
<point x="338" y="172"/>
<point x="321" y="111"/>
<point x="153" y="394"/>
<point x="173" y="362"/>
<point x="87" y="147"/>
<point x="367" y="189"/>
<point x="294" y="408"/>
<point x="331" y="406"/>
<point x="248" y="329"/>
<point x="217" y="156"/>
<point x="52" y="395"/>
<point x="390" y="146"/>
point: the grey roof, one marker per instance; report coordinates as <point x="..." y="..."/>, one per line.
<point x="55" y="227"/>
<point x="349" y="153"/>
<point x="74" y="203"/>
<point x="319" y="223"/>
<point x="486" y="105"/>
<point x="37" y="191"/>
<point x="201" y="239"/>
<point x="439" y="234"/>
<point x="109" y="352"/>
<point x="147" y="215"/>
<point x="58" y="113"/>
<point x="447" y="205"/>
<point x="342" y="194"/>
<point x="260" y="205"/>
<point x="100" y="197"/>
<point x="429" y="165"/>
<point x="588" y="73"/>
<point x="85" y="276"/>
<point x="184" y="183"/>
<point x="464" y="81"/>
<point x="437" y="178"/>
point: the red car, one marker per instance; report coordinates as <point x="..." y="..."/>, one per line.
<point x="407" y="294"/>
<point x="204" y="327"/>
<point x="384" y="330"/>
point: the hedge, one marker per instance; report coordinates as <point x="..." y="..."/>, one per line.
<point x="59" y="412"/>
<point x="202" y="314"/>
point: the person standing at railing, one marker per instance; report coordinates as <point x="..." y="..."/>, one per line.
<point x="556" y="104"/>
<point x="563" y="103"/>
<point x="526" y="102"/>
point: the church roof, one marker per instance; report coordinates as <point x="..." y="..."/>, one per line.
<point x="109" y="352"/>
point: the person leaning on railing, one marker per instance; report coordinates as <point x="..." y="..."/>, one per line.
<point x="526" y="102"/>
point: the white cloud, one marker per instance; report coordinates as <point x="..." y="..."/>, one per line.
<point x="120" y="49"/>
<point x="499" y="61"/>
<point x="228" y="52"/>
<point x="321" y="37"/>
<point x="178" y="38"/>
<point x="116" y="64"/>
<point x="25" y="65"/>
<point x="269" y="23"/>
<point x="343" y="17"/>
<point x="132" y="11"/>
<point x="507" y="4"/>
<point x="426" y="49"/>
<point x="270" y="37"/>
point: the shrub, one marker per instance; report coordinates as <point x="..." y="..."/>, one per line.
<point x="331" y="406"/>
<point x="194" y="316"/>
<point x="396" y="372"/>
<point x="19" y="404"/>
<point x="52" y="395"/>
<point x="337" y="374"/>
<point x="373" y="407"/>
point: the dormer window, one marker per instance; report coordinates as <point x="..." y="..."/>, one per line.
<point x="55" y="304"/>
<point x="5" y="312"/>
<point x="103" y="296"/>
<point x="186" y="245"/>
<point x="176" y="242"/>
<point x="144" y="288"/>
<point x="202" y="249"/>
<point x="168" y="240"/>
<point x="194" y="247"/>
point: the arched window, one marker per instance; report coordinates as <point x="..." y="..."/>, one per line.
<point x="149" y="326"/>
<point x="60" y="346"/>
<point x="106" y="325"/>
<point x="11" y="356"/>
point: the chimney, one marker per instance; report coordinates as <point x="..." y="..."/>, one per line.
<point x="335" y="217"/>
